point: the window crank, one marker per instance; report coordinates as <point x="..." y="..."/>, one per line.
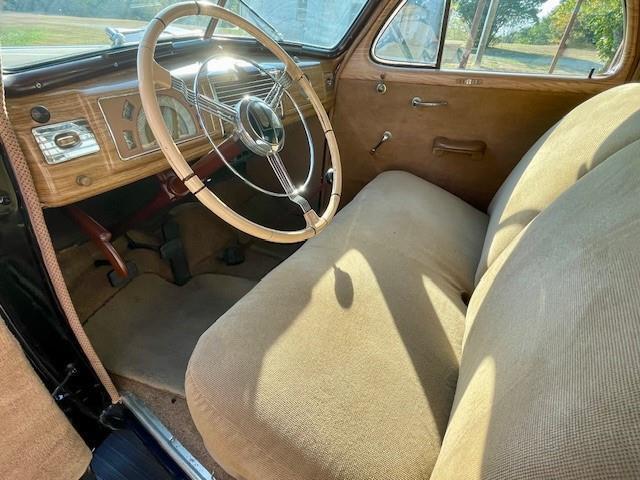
<point x="385" y="137"/>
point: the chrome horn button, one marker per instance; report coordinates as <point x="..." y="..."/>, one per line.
<point x="259" y="127"/>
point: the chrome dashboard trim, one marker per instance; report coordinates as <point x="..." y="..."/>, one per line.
<point x="55" y="154"/>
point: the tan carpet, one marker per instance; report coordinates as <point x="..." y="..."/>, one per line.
<point x="148" y="330"/>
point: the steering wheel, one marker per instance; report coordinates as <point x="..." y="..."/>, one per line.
<point x="254" y="122"/>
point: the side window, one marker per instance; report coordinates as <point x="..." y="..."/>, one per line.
<point x="412" y="34"/>
<point x="548" y="37"/>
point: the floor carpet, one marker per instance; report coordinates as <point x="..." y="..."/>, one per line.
<point x="148" y="330"/>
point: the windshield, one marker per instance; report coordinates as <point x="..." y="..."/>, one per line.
<point x="43" y="30"/>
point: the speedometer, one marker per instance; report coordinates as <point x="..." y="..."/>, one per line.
<point x="176" y="117"/>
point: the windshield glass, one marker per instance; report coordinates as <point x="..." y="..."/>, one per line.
<point x="37" y="31"/>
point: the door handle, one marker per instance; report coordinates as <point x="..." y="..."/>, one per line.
<point x="474" y="148"/>
<point x="418" y="102"/>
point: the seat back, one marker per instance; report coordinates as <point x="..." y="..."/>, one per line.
<point x="549" y="383"/>
<point x="580" y="141"/>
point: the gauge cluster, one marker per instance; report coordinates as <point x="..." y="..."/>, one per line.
<point x="129" y="128"/>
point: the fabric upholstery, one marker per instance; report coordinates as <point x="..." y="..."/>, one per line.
<point x="342" y="362"/>
<point x="583" y="139"/>
<point x="37" y="440"/>
<point x="550" y="376"/>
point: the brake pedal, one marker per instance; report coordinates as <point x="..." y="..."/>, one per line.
<point x="173" y="250"/>
<point x="233" y="255"/>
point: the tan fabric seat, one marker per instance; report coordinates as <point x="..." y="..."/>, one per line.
<point x="549" y="385"/>
<point x="585" y="137"/>
<point x="341" y="363"/>
<point x="37" y="440"/>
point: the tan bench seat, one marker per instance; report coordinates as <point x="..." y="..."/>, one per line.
<point x="343" y="362"/>
<point x="343" y="349"/>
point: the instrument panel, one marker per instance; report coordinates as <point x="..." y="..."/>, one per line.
<point x="109" y="110"/>
<point x="128" y="126"/>
<point x="177" y="118"/>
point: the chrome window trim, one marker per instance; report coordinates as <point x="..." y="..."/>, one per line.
<point x="398" y="63"/>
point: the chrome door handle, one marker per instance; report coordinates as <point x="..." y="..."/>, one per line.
<point x="418" y="102"/>
<point x="385" y="137"/>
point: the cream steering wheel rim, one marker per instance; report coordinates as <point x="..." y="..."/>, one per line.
<point x="152" y="75"/>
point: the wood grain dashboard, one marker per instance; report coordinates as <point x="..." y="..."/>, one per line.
<point x="111" y="106"/>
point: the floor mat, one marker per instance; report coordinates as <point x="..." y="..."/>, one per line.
<point x="123" y="456"/>
<point x="149" y="329"/>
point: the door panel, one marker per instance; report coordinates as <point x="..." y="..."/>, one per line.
<point x="37" y="440"/>
<point x="508" y="112"/>
<point x="508" y="121"/>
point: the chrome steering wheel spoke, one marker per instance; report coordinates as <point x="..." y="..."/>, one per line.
<point x="281" y="173"/>
<point x="287" y="184"/>
<point x="254" y="121"/>
<point x="204" y="102"/>
<point x="280" y="85"/>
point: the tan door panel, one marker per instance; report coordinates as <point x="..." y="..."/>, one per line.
<point x="508" y="112"/>
<point x="507" y="121"/>
<point x="37" y="440"/>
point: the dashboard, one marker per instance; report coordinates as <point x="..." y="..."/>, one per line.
<point x="88" y="137"/>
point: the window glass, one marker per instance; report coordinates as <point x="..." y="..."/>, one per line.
<point x="37" y="31"/>
<point x="556" y="37"/>
<point x="559" y="37"/>
<point x="316" y="23"/>
<point x="412" y="35"/>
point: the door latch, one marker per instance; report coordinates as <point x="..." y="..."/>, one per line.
<point x="5" y="202"/>
<point x="5" y="199"/>
<point x="418" y="102"/>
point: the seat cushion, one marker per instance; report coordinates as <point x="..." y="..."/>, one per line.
<point x="342" y="362"/>
<point x="402" y="214"/>
<point x="550" y="376"/>
<point x="584" y="138"/>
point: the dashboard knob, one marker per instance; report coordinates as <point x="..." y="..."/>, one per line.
<point x="83" y="180"/>
<point x="67" y="140"/>
<point x="40" y="114"/>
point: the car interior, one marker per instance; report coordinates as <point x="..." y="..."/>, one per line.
<point x="356" y="262"/>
